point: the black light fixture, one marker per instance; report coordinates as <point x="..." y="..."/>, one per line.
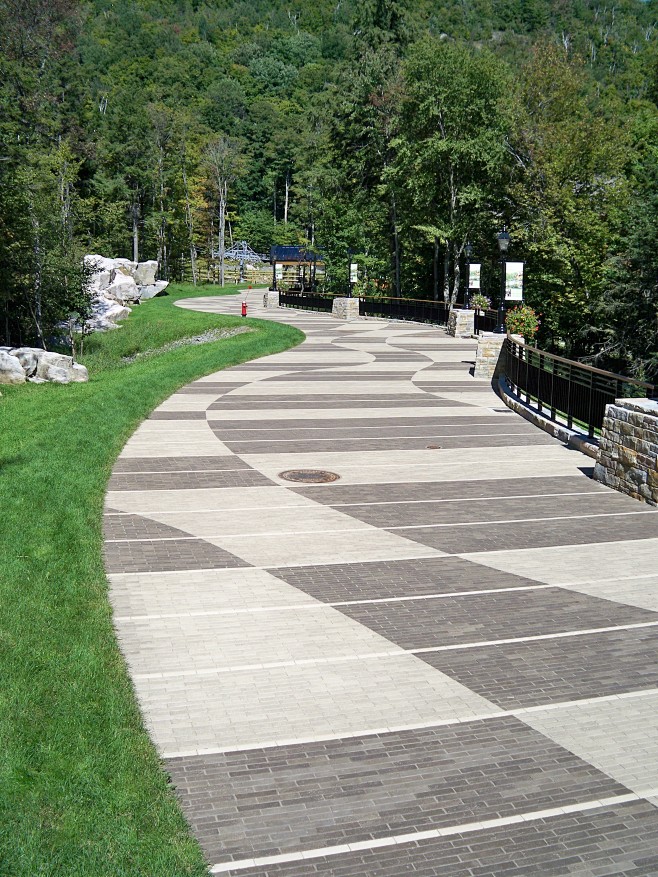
<point x="468" y="252"/>
<point x="503" y="241"/>
<point x="503" y="245"/>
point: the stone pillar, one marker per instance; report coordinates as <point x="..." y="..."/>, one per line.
<point x="628" y="449"/>
<point x="345" y="308"/>
<point x="461" y="323"/>
<point x="271" y="299"/>
<point x="489" y="357"/>
<point x="488" y="364"/>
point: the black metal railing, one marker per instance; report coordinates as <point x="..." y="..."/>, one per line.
<point x="418" y="310"/>
<point x="306" y="301"/>
<point x="567" y="390"/>
<point x="485" y="321"/>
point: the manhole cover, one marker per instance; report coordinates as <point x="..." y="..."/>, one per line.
<point x="434" y="447"/>
<point x="309" y="476"/>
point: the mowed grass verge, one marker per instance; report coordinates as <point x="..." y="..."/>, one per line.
<point x="81" y="788"/>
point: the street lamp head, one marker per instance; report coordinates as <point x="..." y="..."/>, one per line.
<point x="468" y="250"/>
<point x="503" y="241"/>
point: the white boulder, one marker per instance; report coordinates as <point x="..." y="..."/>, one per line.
<point x="11" y="370"/>
<point x="60" y="369"/>
<point x="145" y="273"/>
<point x="125" y="267"/>
<point x="154" y="289"/>
<point x="105" y="312"/>
<point x="122" y="289"/>
<point x="28" y="358"/>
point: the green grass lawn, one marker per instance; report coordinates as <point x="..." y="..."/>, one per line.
<point x="81" y="789"/>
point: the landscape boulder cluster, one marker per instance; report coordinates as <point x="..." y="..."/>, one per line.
<point x="21" y="364"/>
<point x="115" y="284"/>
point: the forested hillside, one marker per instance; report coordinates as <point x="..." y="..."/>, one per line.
<point x="398" y="129"/>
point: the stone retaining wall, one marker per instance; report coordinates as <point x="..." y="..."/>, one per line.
<point x="461" y="323"/>
<point x="628" y="449"/>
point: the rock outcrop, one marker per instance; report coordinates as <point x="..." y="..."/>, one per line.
<point x="21" y="364"/>
<point x="116" y="283"/>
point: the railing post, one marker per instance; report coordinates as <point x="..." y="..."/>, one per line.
<point x="590" y="425"/>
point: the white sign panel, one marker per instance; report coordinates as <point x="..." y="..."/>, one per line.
<point x="278" y="270"/>
<point x="354" y="272"/>
<point x="474" y="275"/>
<point x="513" y="281"/>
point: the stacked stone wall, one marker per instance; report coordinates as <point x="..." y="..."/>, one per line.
<point x="628" y="449"/>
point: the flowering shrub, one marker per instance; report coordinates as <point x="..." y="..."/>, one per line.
<point x="480" y="302"/>
<point x="522" y="320"/>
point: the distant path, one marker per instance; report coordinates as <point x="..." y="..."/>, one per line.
<point x="443" y="661"/>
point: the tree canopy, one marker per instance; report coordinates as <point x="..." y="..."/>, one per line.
<point x="396" y="130"/>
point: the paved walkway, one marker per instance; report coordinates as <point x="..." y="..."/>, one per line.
<point x="443" y="663"/>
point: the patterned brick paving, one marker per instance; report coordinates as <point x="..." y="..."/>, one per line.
<point x="371" y="787"/>
<point x="639" y="523"/>
<point x="167" y="555"/>
<point x="339" y="677"/>
<point x="396" y="578"/>
<point x="613" y="841"/>
<point x="418" y="624"/>
<point x="337" y="494"/>
<point x="177" y="464"/>
<point x="552" y="671"/>
<point x="380" y="443"/>
<point x="188" y="480"/>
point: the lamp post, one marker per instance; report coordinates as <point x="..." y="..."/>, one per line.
<point x="468" y="251"/>
<point x="350" y="282"/>
<point x="503" y="246"/>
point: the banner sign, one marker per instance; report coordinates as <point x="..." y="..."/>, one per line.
<point x="474" y="275"/>
<point x="278" y="270"/>
<point x="354" y="272"/>
<point x="513" y="281"/>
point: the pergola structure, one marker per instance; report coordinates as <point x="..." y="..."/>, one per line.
<point x="297" y="267"/>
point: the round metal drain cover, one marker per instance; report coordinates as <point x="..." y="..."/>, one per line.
<point x="309" y="476"/>
<point x="434" y="447"/>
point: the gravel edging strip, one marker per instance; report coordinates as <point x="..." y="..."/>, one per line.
<point x="205" y="338"/>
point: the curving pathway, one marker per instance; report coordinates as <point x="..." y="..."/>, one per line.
<point x="443" y="663"/>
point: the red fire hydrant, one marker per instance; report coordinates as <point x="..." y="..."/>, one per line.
<point x="244" y="308"/>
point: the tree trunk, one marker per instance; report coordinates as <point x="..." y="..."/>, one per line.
<point x="222" y="233"/>
<point x="395" y="247"/>
<point x="456" y="275"/>
<point x="135" y="216"/>
<point x="287" y="201"/>
<point x="446" y="273"/>
<point x="189" y="222"/>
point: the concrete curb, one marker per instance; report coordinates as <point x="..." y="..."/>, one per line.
<point x="571" y="439"/>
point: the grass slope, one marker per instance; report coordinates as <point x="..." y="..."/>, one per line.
<point x="82" y="792"/>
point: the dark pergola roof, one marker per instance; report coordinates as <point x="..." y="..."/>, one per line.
<point x="294" y="254"/>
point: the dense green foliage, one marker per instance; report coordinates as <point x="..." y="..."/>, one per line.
<point x="400" y="130"/>
<point x="82" y="788"/>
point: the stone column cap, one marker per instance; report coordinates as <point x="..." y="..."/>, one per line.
<point x="644" y="406"/>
